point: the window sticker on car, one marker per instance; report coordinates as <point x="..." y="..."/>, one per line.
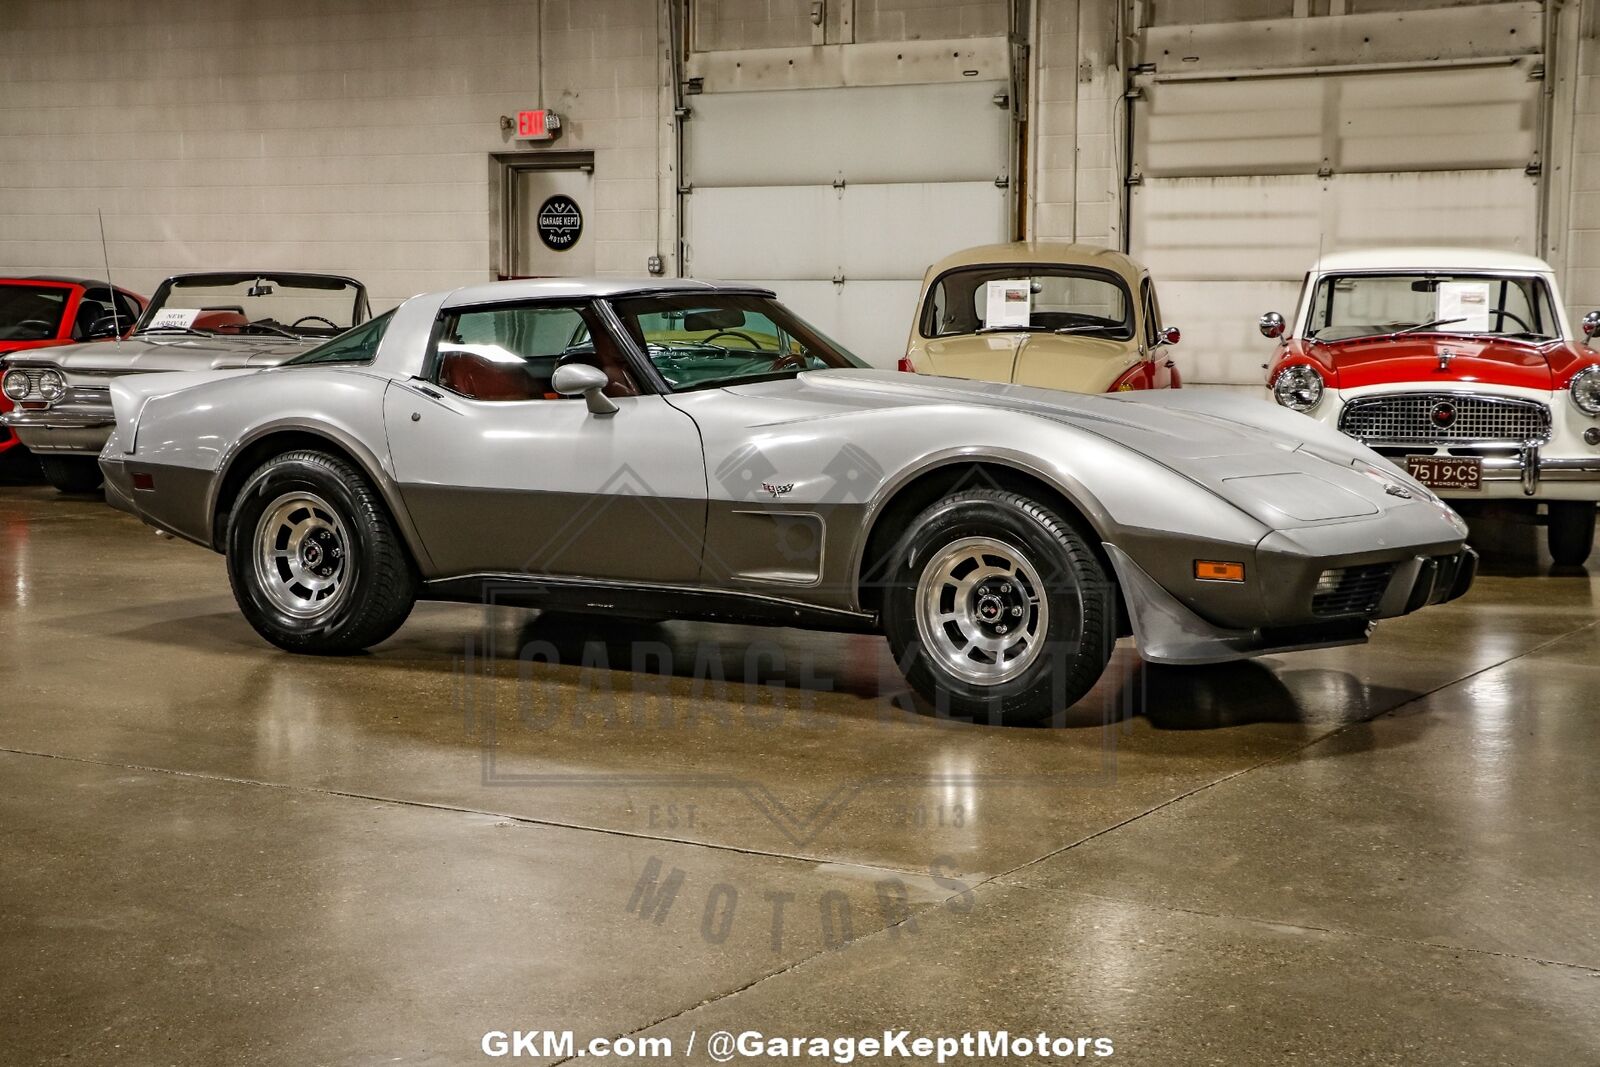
<point x="179" y="318"/>
<point x="1467" y="303"/>
<point x="1009" y="303"/>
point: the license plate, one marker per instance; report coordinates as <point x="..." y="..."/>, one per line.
<point x="1447" y="472"/>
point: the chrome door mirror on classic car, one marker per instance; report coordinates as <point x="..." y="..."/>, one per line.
<point x="575" y="378"/>
<point x="1591" y="324"/>
<point x="1271" y="324"/>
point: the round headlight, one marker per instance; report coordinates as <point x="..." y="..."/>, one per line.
<point x="52" y="386"/>
<point x="1585" y="390"/>
<point x="15" y="384"/>
<point x="1298" y="387"/>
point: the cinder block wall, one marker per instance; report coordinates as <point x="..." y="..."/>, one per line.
<point x="341" y="135"/>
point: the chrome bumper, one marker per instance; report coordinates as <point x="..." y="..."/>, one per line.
<point x="61" y="429"/>
<point x="1530" y="468"/>
<point x="1527" y="466"/>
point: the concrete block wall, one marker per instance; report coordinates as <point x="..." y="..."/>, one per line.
<point x="1576" y="251"/>
<point x="929" y="20"/>
<point x="728" y="25"/>
<point x="1076" y="185"/>
<point x="342" y="135"/>
<point x="731" y="25"/>
<point x="606" y="71"/>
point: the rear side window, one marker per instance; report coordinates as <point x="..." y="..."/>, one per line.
<point x="359" y="345"/>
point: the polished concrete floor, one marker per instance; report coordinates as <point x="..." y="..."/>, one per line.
<point x="215" y="853"/>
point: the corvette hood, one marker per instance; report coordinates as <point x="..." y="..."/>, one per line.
<point x="1151" y="424"/>
<point x="171" y="352"/>
<point x="1277" y="465"/>
<point x="1491" y="361"/>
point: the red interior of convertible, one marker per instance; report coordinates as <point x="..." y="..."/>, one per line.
<point x="220" y="320"/>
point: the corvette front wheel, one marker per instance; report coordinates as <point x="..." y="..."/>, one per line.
<point x="314" y="558"/>
<point x="997" y="608"/>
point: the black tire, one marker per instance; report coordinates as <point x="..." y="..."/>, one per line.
<point x="376" y="582"/>
<point x="1570" y="530"/>
<point x="71" y="474"/>
<point x="1073" y="638"/>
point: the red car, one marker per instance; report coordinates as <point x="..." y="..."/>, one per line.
<point x="39" y="312"/>
<point x="1461" y="368"/>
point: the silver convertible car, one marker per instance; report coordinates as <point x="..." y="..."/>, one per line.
<point x="194" y="322"/>
<point x="687" y="450"/>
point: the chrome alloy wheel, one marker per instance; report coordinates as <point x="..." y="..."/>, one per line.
<point x="302" y="555"/>
<point x="981" y="610"/>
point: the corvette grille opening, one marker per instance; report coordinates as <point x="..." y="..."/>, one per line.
<point x="1445" y="418"/>
<point x="1351" y="590"/>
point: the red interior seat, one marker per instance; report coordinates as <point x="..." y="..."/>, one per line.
<point x="220" y="320"/>
<point x="473" y="375"/>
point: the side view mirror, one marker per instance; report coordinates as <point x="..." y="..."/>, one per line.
<point x="1271" y="324"/>
<point x="1591" y="324"/>
<point x="1170" y="336"/>
<point x="573" y="379"/>
<point x="104" y="328"/>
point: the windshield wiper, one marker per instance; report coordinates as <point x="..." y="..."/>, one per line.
<point x="1419" y="327"/>
<point x="263" y="324"/>
<point x="1081" y="329"/>
<point x="1387" y="333"/>
<point x="177" y="329"/>
<point x="1009" y="329"/>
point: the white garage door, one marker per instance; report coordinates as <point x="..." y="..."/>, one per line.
<point x="840" y="198"/>
<point x="1229" y="209"/>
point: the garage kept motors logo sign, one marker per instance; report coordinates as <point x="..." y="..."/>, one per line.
<point x="560" y="223"/>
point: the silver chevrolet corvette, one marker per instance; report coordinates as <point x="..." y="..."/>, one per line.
<point x="686" y="450"/>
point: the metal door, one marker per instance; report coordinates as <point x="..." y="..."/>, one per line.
<point x="1238" y="183"/>
<point x="840" y="198"/>
<point x="549" y="221"/>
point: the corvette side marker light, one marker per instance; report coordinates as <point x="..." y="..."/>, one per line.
<point x="1210" y="570"/>
<point x="144" y="481"/>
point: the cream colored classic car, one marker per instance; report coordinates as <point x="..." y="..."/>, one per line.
<point x="1061" y="316"/>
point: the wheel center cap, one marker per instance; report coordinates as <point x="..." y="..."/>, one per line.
<point x="312" y="553"/>
<point x="989" y="608"/>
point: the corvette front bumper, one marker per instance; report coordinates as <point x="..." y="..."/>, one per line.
<point x="1169" y="631"/>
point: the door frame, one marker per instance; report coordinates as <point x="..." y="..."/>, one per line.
<point x="503" y="167"/>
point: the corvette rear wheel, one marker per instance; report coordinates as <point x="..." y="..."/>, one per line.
<point x="1570" y="531"/>
<point x="71" y="474"/>
<point x="314" y="558"/>
<point x="997" y="608"/>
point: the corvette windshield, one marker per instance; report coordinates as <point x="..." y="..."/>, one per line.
<point x="1044" y="299"/>
<point x="1347" y="306"/>
<point x="703" y="339"/>
<point x="262" y="305"/>
<point x="31" y="313"/>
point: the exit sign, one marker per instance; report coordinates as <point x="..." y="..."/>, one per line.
<point x="540" y="125"/>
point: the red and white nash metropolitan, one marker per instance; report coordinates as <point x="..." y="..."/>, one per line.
<point x="1461" y="367"/>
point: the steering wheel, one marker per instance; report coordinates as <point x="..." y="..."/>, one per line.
<point x="797" y="360"/>
<point x="36" y="323"/>
<point x="313" y="318"/>
<point x="746" y="338"/>
<point x="1504" y="315"/>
